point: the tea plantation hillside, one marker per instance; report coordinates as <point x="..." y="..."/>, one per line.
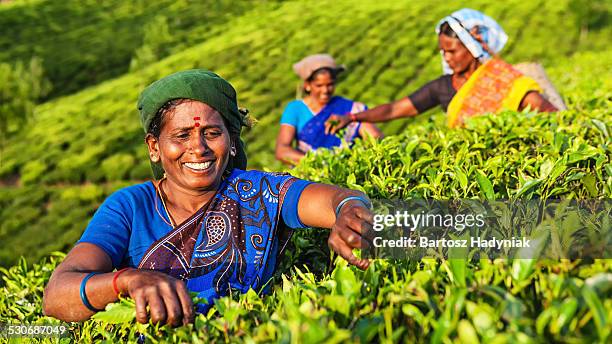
<point x="85" y="142"/>
<point x="82" y="146"/>
<point x="83" y="43"/>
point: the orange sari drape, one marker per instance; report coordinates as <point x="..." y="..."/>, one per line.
<point x="493" y="87"/>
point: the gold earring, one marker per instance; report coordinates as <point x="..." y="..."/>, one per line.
<point x="154" y="158"/>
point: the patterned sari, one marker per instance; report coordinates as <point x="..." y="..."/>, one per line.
<point x="493" y="87"/>
<point x="232" y="242"/>
<point x="312" y="136"/>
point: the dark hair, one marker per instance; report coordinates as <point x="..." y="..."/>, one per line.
<point x="332" y="72"/>
<point x="158" y="120"/>
<point x="446" y="30"/>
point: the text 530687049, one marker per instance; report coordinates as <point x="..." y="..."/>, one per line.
<point x="33" y="330"/>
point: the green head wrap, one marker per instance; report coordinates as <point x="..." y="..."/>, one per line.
<point x="201" y="85"/>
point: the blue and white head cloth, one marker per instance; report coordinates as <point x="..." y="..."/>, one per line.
<point x="466" y="19"/>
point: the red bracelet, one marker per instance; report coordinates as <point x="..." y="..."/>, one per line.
<point x="115" y="288"/>
<point x="353" y="117"/>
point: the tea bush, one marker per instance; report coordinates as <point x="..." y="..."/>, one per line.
<point x="155" y="43"/>
<point x="117" y="166"/>
<point x="511" y="155"/>
<point x="21" y="86"/>
<point x="497" y="301"/>
<point x="37" y="221"/>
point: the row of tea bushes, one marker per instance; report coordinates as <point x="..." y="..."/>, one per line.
<point x="83" y="43"/>
<point x="419" y="302"/>
<point x="510" y="155"/>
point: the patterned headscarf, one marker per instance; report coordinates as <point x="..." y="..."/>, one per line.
<point x="200" y="85"/>
<point x="466" y="19"/>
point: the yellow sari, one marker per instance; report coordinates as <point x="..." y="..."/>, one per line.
<point x="493" y="87"/>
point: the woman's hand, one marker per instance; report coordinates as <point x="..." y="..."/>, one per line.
<point x="335" y="123"/>
<point x="381" y="113"/>
<point x="537" y="102"/>
<point x="168" y="299"/>
<point x="350" y="231"/>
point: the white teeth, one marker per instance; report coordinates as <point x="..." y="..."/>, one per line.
<point x="198" y="166"/>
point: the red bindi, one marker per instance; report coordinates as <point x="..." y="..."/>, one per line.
<point x="197" y="118"/>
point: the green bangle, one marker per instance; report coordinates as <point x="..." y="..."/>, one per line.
<point x="84" y="298"/>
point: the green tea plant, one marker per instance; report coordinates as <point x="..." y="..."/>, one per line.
<point x="155" y="41"/>
<point x="504" y="156"/>
<point x="37" y="221"/>
<point x="21" y="87"/>
<point x="83" y="43"/>
<point x="427" y="301"/>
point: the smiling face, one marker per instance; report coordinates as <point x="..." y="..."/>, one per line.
<point x="321" y="87"/>
<point x="455" y="54"/>
<point x="193" y="146"/>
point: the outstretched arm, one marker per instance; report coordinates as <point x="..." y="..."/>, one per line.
<point x="537" y="102"/>
<point x="317" y="208"/>
<point x="284" y="149"/>
<point x="168" y="298"/>
<point x="382" y="113"/>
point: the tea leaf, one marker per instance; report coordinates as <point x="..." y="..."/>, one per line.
<point x="485" y="185"/>
<point x="116" y="313"/>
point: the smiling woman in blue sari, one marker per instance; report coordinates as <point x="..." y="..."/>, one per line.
<point x="303" y="120"/>
<point x="204" y="224"/>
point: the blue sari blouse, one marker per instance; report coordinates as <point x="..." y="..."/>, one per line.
<point x="310" y="127"/>
<point x="233" y="242"/>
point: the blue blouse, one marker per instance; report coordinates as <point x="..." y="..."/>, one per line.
<point x="128" y="223"/>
